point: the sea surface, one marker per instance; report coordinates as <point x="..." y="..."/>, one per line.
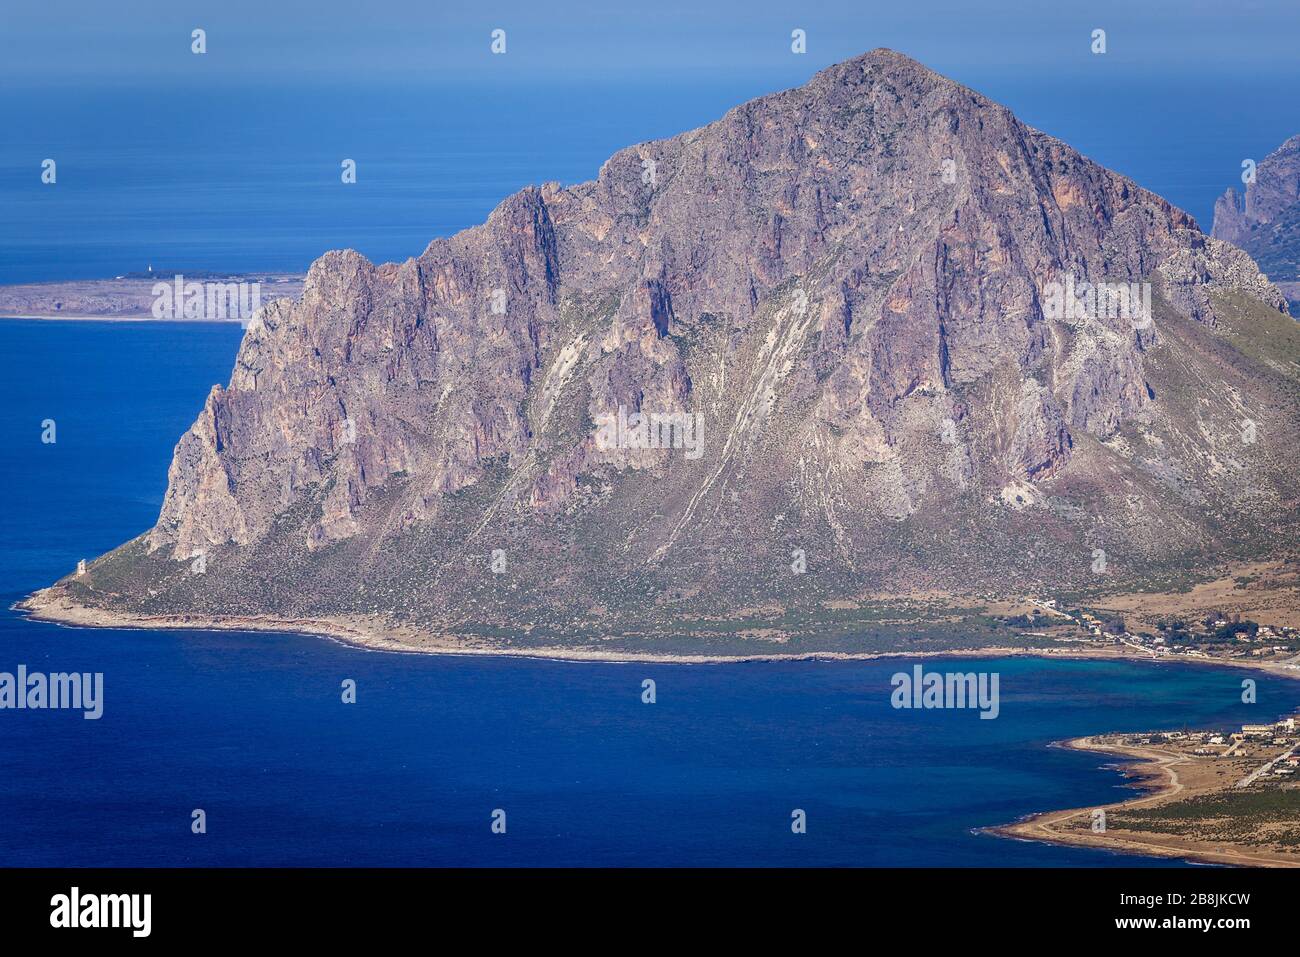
<point x="240" y="177"/>
<point x="251" y="728"/>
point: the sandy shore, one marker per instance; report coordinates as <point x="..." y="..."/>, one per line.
<point x="49" y="606"/>
<point x="52" y="605"/>
<point x="1163" y="778"/>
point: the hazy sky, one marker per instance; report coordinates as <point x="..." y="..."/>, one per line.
<point x="129" y="41"/>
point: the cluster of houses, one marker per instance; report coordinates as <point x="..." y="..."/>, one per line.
<point x="1156" y="644"/>
<point x="1279" y="733"/>
<point x="1282" y="732"/>
<point x="1265" y="640"/>
<point x="1281" y="766"/>
<point x="1276" y="733"/>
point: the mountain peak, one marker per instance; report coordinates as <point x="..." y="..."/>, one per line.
<point x="829" y="324"/>
<point x="883" y="59"/>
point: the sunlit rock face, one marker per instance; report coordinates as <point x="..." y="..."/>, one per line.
<point x="879" y="294"/>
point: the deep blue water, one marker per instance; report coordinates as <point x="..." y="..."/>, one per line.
<point x="251" y="729"/>
<point x="223" y="176"/>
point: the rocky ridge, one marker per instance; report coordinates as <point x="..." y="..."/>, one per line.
<point x="849" y="286"/>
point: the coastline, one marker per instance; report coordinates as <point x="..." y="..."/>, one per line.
<point x="1154" y="774"/>
<point x="1157" y="777"/>
<point x="132" y="299"/>
<point x="43" y="605"/>
<point x="114" y="317"/>
<point x="65" y="317"/>
<point x="367" y="637"/>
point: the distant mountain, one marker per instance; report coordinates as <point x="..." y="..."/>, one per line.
<point x="867" y="310"/>
<point x="1266" y="221"/>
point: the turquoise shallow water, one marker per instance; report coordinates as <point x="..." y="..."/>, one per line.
<point x="251" y="728"/>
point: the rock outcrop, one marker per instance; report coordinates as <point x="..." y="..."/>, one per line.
<point x="906" y="336"/>
<point x="1266" y="220"/>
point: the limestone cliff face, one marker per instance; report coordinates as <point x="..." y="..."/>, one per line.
<point x="850" y="283"/>
<point x="1266" y="220"/>
<point x="1272" y="194"/>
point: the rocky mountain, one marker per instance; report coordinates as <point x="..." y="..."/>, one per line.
<point x="885" y="338"/>
<point x="1266" y="221"/>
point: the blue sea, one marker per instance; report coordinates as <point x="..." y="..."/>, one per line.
<point x="227" y="176"/>
<point x="251" y="728"/>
